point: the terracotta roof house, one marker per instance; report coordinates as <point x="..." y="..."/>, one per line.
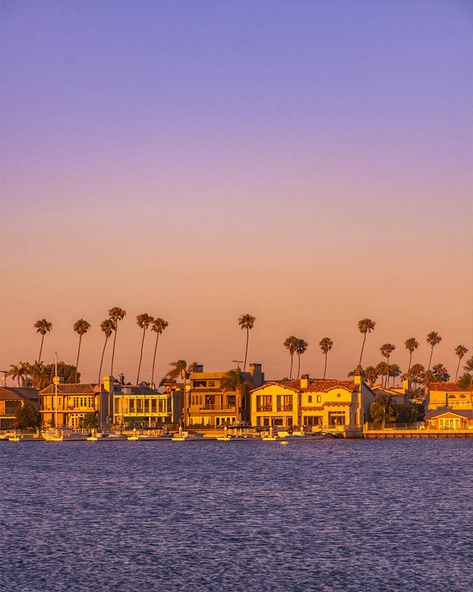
<point x="11" y="400"/>
<point x="446" y="418"/>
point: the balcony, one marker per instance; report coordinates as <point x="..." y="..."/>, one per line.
<point x="264" y="408"/>
<point x="226" y="408"/>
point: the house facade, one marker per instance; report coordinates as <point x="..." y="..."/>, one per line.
<point x="135" y="406"/>
<point x="208" y="404"/>
<point x="449" y="406"/>
<point x="12" y="400"/>
<point x="317" y="405"/>
<point x="68" y="405"/>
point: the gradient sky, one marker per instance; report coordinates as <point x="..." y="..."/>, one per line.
<point x="307" y="162"/>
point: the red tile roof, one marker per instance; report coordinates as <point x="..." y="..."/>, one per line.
<point x="448" y="387"/>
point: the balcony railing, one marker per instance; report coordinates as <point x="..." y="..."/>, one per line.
<point x="264" y="408"/>
<point x="218" y="408"/>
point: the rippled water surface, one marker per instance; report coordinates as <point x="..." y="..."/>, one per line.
<point x="328" y="515"/>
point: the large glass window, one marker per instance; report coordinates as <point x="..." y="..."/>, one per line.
<point x="264" y="403"/>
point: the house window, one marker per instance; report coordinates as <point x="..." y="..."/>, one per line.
<point x="284" y="402"/>
<point x="264" y="403"/>
<point x="319" y="398"/>
<point x="309" y="398"/>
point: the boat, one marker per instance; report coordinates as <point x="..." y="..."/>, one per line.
<point x="14" y="438"/>
<point x="61" y="434"/>
<point x="225" y="437"/>
<point x="180" y="436"/>
<point x="270" y="437"/>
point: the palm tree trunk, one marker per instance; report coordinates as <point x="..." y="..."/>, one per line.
<point x="362" y="348"/>
<point x="41" y="348"/>
<point x="246" y="349"/>
<point x="292" y="362"/>
<point x="410" y="361"/>
<point x="298" y="365"/>
<point x="77" y="359"/>
<point x="101" y="362"/>
<point x="458" y="368"/>
<point x="141" y="357"/>
<point x="325" y="366"/>
<point x="113" y="349"/>
<point x="154" y="360"/>
<point x="430" y="359"/>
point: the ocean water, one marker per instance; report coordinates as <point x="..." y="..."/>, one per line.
<point x="344" y="515"/>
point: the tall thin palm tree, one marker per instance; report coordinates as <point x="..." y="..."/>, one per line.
<point x="301" y="348"/>
<point x="80" y="327"/>
<point x="386" y="351"/>
<point x="291" y="345"/>
<point x="433" y="339"/>
<point x="247" y="322"/>
<point x="42" y="326"/>
<point x="116" y="314"/>
<point x="143" y="321"/>
<point x="394" y="371"/>
<point x="365" y="326"/>
<point x="460" y="351"/>
<point x="158" y="326"/>
<point x="411" y="345"/>
<point x="326" y="345"/>
<point x="107" y="327"/>
<point x="370" y="375"/>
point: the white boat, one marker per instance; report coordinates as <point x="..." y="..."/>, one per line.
<point x="61" y="434"/>
<point x="181" y="436"/>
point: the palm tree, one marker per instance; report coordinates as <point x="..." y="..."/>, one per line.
<point x="382" y="369"/>
<point x="411" y="345"/>
<point x="40" y="375"/>
<point x="394" y="371"/>
<point x="181" y="369"/>
<point x="439" y="373"/>
<point x="468" y="367"/>
<point x="18" y="372"/>
<point x="43" y="326"/>
<point x="116" y="314"/>
<point x="416" y="374"/>
<point x="291" y="345"/>
<point x="301" y="348"/>
<point x="365" y="326"/>
<point x="370" y="375"/>
<point x="326" y="345"/>
<point x="108" y="327"/>
<point x="143" y="320"/>
<point x="158" y="326"/>
<point x="80" y="327"/>
<point x="247" y="322"/>
<point x="382" y="410"/>
<point x="233" y="381"/>
<point x="460" y="351"/>
<point x="433" y="339"/>
<point x="386" y="351"/>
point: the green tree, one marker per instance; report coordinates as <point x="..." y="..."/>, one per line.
<point x="291" y="345"/>
<point x="382" y="410"/>
<point x="89" y="421"/>
<point x="394" y="371"/>
<point x="365" y="326"/>
<point x="301" y="348"/>
<point x="438" y="374"/>
<point x="382" y="369"/>
<point x="409" y="413"/>
<point x="460" y="351"/>
<point x="246" y="322"/>
<point x="143" y="321"/>
<point x="326" y="345"/>
<point x="80" y="327"/>
<point x="411" y="345"/>
<point x="386" y="351"/>
<point x="433" y="339"/>
<point x="108" y="327"/>
<point x="28" y="416"/>
<point x="19" y="372"/>
<point x="466" y="381"/>
<point x="158" y="326"/>
<point x="42" y="327"/>
<point x="234" y="380"/>
<point x="370" y="375"/>
<point x="116" y="315"/>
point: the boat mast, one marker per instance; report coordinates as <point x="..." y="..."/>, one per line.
<point x="56" y="380"/>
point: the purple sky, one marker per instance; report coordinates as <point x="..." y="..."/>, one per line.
<point x="309" y="162"/>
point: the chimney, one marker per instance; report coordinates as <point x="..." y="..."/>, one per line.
<point x="108" y="383"/>
<point x="357" y="379"/>
<point x="256" y="374"/>
<point x="406" y="385"/>
<point x="305" y="381"/>
<point x="199" y="368"/>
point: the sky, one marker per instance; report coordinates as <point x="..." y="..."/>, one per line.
<point x="309" y="163"/>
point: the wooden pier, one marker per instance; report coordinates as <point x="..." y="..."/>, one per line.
<point x="389" y="434"/>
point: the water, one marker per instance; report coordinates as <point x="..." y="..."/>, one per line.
<point x="352" y="515"/>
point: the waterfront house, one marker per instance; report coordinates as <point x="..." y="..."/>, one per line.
<point x="141" y="406"/>
<point x="449" y="406"/>
<point x="318" y="405"/>
<point x="71" y="405"/>
<point x="11" y="401"/>
<point x="208" y="404"/>
<point x="448" y="394"/>
<point x="400" y="396"/>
